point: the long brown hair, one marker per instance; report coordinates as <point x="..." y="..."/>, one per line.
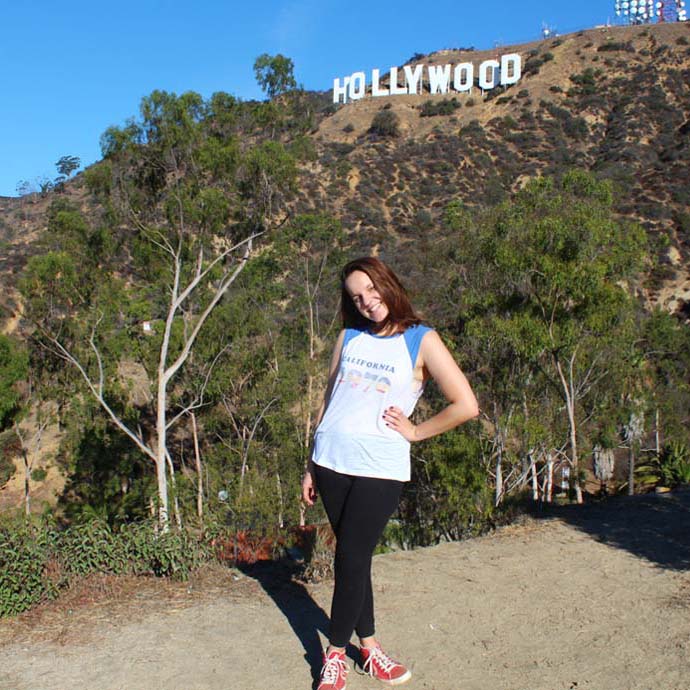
<point x="401" y="315"/>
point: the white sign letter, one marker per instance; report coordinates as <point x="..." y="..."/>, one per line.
<point x="485" y="82"/>
<point x="357" y="86"/>
<point x="463" y="77"/>
<point x="507" y="61"/>
<point x="413" y="78"/>
<point x="339" y="91"/>
<point x="393" y="81"/>
<point x="439" y="77"/>
<point x="376" y="90"/>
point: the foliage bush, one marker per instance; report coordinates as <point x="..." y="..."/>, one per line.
<point x="25" y="574"/>
<point x="671" y="468"/>
<point x="38" y="560"/>
<point x="446" y="106"/>
<point x="616" y="45"/>
<point x="385" y="123"/>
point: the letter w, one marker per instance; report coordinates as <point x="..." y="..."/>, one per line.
<point x="439" y="78"/>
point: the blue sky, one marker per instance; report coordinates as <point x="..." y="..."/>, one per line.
<point x="69" y="70"/>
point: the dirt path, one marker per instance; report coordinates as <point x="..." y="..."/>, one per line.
<point x="594" y="598"/>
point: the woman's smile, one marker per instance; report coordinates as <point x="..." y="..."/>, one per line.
<point x="365" y="297"/>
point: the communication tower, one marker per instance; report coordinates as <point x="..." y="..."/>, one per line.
<point x="548" y="31"/>
<point x="648" y="11"/>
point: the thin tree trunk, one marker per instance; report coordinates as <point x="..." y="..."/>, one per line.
<point x="176" y="502"/>
<point x="280" y="501"/>
<point x="569" y="394"/>
<point x="549" y="478"/>
<point x="499" y="476"/>
<point x="535" y="483"/>
<point x="161" y="452"/>
<point x="27" y="485"/>
<point x="631" y="470"/>
<point x="199" y="473"/>
<point x="657" y="433"/>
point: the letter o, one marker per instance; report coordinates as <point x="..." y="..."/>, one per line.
<point x="357" y="86"/>
<point x="484" y="68"/>
<point x="463" y="76"/>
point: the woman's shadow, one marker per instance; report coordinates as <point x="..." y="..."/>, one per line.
<point x="306" y="618"/>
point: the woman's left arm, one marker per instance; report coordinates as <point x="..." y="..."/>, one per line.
<point x="462" y="406"/>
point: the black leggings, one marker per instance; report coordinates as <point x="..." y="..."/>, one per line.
<point x="358" y="509"/>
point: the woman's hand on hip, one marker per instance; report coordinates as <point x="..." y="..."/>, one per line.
<point x="309" y="492"/>
<point x="395" y="418"/>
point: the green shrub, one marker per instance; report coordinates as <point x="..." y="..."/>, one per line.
<point x="91" y="548"/>
<point x="670" y="468"/>
<point x="385" y="124"/>
<point x="446" y="106"/>
<point x="613" y="45"/>
<point x="36" y="561"/>
<point x="99" y="178"/>
<point x="25" y="559"/>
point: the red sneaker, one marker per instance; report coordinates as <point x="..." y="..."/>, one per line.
<point x="379" y="665"/>
<point x="334" y="672"/>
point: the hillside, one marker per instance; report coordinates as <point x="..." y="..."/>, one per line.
<point x="614" y="101"/>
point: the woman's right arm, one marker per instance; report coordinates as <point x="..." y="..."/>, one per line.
<point x="308" y="483"/>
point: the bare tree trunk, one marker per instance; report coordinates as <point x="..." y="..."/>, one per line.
<point x="549" y="478"/>
<point x="498" y="493"/>
<point x="27" y="484"/>
<point x="27" y="451"/>
<point x="176" y="502"/>
<point x="280" y="501"/>
<point x="631" y="470"/>
<point x="161" y="452"/>
<point x="569" y="394"/>
<point x="657" y="433"/>
<point x="199" y="473"/>
<point x="166" y="372"/>
<point x="533" y="472"/>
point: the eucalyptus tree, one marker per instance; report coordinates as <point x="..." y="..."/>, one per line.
<point x="558" y="273"/>
<point x="179" y="237"/>
<point x="274" y="74"/>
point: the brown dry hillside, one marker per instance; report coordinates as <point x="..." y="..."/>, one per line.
<point x="615" y="100"/>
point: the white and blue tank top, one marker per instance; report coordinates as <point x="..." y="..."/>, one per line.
<point x="375" y="373"/>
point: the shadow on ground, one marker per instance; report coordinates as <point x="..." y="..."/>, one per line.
<point x="305" y="616"/>
<point x="651" y="526"/>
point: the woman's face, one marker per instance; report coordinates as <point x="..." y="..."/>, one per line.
<point x="365" y="297"/>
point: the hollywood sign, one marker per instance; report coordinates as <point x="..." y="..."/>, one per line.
<point x="439" y="78"/>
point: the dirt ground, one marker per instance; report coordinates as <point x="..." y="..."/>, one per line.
<point x="575" y="598"/>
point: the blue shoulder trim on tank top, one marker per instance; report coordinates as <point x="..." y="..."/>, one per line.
<point x="350" y="333"/>
<point x="413" y="340"/>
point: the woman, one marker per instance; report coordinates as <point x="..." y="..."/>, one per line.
<point x="361" y="455"/>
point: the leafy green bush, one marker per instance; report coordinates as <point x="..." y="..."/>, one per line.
<point x="446" y="106"/>
<point x="25" y="558"/>
<point x="36" y="561"/>
<point x="671" y="468"/>
<point x="385" y="124"/>
<point x="39" y="474"/>
<point x="674" y="464"/>
<point x="613" y="45"/>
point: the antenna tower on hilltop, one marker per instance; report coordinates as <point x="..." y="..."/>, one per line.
<point x="648" y="11"/>
<point x="548" y="31"/>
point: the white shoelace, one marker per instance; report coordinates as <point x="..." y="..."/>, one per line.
<point x="383" y="660"/>
<point x="332" y="668"/>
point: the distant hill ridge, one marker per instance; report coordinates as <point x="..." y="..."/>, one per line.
<point x="615" y="100"/>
